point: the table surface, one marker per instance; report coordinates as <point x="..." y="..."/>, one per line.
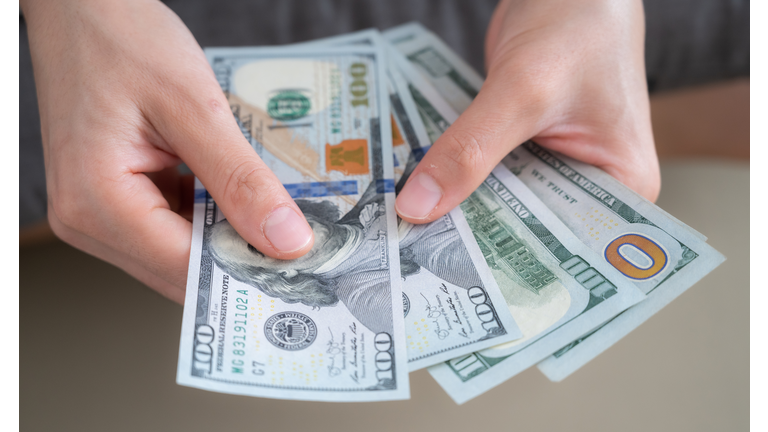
<point x="99" y="351"/>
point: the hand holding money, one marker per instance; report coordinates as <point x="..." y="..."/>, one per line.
<point x="548" y="259"/>
<point x="642" y="245"/>
<point x="124" y="90"/>
<point x="553" y="78"/>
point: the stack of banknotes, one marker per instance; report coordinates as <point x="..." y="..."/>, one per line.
<point x="549" y="262"/>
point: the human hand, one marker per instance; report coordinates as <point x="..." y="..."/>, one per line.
<point x="568" y="74"/>
<point x="125" y="94"/>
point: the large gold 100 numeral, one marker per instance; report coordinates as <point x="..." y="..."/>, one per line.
<point x="358" y="88"/>
<point x="645" y="245"/>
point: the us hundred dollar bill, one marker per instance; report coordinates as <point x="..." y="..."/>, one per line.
<point x="329" y="325"/>
<point x="555" y="286"/>
<point x="647" y="247"/>
<point x="452" y="304"/>
<point x="404" y="133"/>
<point x="435" y="113"/>
<point x="460" y="382"/>
<point x="456" y="81"/>
<point x="638" y="213"/>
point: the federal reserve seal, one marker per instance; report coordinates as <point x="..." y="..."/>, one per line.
<point x="291" y="331"/>
<point x="406" y="305"/>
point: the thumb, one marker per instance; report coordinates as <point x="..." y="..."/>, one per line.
<point x="201" y="130"/>
<point x="497" y="121"/>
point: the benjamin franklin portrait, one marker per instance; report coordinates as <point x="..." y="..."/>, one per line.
<point x="349" y="261"/>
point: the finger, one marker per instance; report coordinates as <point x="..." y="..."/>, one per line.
<point x="630" y="157"/>
<point x="168" y="182"/>
<point x="136" y="229"/>
<point x="163" y="287"/>
<point x="177" y="189"/>
<point x="498" y="120"/>
<point x="186" y="196"/>
<point x="200" y="128"/>
<point x="118" y="259"/>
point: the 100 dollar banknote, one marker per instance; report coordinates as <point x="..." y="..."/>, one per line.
<point x="431" y="116"/>
<point x="648" y="248"/>
<point x="456" y="81"/>
<point x="327" y="326"/>
<point x="460" y="377"/>
<point x="558" y="183"/>
<point x="451" y="302"/>
<point x="450" y="281"/>
<point x="555" y="286"/>
<point x="435" y="113"/>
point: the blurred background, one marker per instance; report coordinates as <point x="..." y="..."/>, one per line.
<point x="99" y="349"/>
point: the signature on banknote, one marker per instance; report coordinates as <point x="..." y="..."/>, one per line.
<point x="334" y="351"/>
<point x="434" y="313"/>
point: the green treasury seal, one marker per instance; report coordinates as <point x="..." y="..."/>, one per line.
<point x="288" y="105"/>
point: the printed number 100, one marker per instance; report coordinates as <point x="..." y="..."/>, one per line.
<point x="359" y="87"/>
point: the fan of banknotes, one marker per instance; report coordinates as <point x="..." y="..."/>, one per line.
<point x="549" y="262"/>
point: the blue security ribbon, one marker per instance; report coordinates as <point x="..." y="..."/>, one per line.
<point x="321" y="189"/>
<point x="200" y="196"/>
<point x="385" y="186"/>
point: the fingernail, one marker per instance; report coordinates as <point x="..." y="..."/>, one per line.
<point x="286" y="230"/>
<point x="419" y="197"/>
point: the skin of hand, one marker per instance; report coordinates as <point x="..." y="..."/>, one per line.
<point x="569" y="74"/>
<point x="126" y="94"/>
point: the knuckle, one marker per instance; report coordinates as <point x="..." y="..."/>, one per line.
<point x="247" y="184"/>
<point x="194" y="106"/>
<point x="465" y="151"/>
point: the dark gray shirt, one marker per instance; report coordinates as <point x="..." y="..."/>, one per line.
<point x="688" y="42"/>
